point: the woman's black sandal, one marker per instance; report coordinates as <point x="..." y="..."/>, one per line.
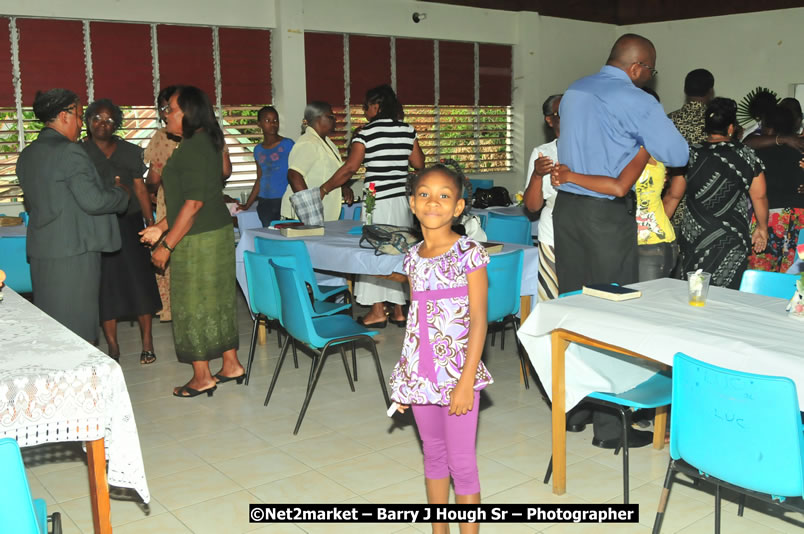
<point x="147" y="357"/>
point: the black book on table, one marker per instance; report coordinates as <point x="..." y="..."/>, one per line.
<point x="611" y="292"/>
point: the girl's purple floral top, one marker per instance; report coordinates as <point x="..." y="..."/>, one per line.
<point x="438" y="325"/>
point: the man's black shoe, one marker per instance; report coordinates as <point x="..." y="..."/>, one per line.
<point x="636" y="438"/>
<point x="576" y="428"/>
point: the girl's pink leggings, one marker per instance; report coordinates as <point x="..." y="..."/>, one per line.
<point x="449" y="444"/>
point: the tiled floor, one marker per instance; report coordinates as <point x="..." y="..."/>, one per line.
<point x="207" y="458"/>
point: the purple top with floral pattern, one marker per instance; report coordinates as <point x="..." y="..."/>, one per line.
<point x="435" y="348"/>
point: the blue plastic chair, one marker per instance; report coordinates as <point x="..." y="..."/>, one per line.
<point x="508" y="228"/>
<point x="652" y="393"/>
<point x="741" y="431"/>
<point x="355" y="213"/>
<point x="25" y="217"/>
<point x="297" y="248"/>
<point x="505" y="281"/>
<point x="19" y="513"/>
<point x="283" y="221"/>
<point x="263" y="296"/>
<point x="319" y="333"/>
<point x="14" y="261"/>
<point x="770" y="284"/>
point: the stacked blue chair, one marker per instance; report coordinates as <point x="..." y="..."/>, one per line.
<point x="263" y="296"/>
<point x="770" y="284"/>
<point x="740" y="431"/>
<point x="19" y="513"/>
<point x="25" y="217"/>
<point x="652" y="393"/>
<point x="508" y="228"/>
<point x="505" y="281"/>
<point x="14" y="261"/>
<point x="297" y="248"/>
<point x="321" y="334"/>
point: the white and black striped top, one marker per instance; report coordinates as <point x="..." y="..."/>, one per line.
<point x="388" y="146"/>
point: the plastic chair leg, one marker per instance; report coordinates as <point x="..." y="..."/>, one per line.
<point x="523" y="360"/>
<point x="318" y="364"/>
<point x="549" y="472"/>
<point x="354" y="362"/>
<point x="252" y="347"/>
<point x="380" y="374"/>
<point x="295" y="358"/>
<point x="717" y="509"/>
<point x="741" y="505"/>
<point x="346" y="367"/>
<point x="502" y="335"/>
<point x="276" y="371"/>
<point x="626" y="419"/>
<point x="668" y="480"/>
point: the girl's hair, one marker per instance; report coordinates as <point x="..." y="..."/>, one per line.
<point x="103" y="103"/>
<point x="266" y="109"/>
<point x="384" y="95"/>
<point x="47" y="105"/>
<point x="198" y="113"/>
<point x="450" y="168"/>
<point x="720" y="114"/>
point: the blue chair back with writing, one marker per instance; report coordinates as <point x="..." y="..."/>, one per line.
<point x="505" y="279"/>
<point x="508" y="228"/>
<point x="14" y="261"/>
<point x="297" y="312"/>
<point x="742" y="428"/>
<point x="770" y="284"/>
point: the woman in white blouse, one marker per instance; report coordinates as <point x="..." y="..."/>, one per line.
<point x="313" y="160"/>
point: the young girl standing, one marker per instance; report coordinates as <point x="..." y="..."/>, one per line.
<point x="440" y="373"/>
<point x="272" y="167"/>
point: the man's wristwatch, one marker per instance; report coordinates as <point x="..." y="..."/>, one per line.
<point x="165" y="245"/>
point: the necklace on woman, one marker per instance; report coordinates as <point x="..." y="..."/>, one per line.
<point x="719" y="138"/>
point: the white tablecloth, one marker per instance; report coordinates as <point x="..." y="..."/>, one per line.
<point x="338" y="251"/>
<point x="740" y="331"/>
<point x="54" y="386"/>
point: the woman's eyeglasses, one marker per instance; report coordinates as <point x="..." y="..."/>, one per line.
<point x="98" y="119"/>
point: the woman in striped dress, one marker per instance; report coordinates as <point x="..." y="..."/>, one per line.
<point x="387" y="147"/>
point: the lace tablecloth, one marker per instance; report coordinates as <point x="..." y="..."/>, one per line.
<point x="54" y="386"/>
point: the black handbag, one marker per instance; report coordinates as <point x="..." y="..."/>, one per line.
<point x="388" y="239"/>
<point x="496" y="196"/>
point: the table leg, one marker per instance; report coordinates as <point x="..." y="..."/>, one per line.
<point x="262" y="335"/>
<point x="98" y="487"/>
<point x="524" y="311"/>
<point x="659" y="427"/>
<point x="559" y="346"/>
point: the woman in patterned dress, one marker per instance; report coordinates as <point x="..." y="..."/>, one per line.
<point x="156" y="154"/>
<point x="785" y="178"/>
<point x="722" y="175"/>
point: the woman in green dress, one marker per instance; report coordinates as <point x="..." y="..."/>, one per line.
<point x="197" y="238"/>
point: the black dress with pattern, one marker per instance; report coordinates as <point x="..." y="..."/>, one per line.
<point x="715" y="233"/>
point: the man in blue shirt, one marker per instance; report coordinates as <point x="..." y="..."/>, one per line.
<point x="605" y="118"/>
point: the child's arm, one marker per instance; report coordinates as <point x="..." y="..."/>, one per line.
<point x="463" y="395"/>
<point x="254" y="190"/>
<point x="618" y="187"/>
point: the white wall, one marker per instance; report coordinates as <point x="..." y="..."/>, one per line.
<point x="742" y="52"/>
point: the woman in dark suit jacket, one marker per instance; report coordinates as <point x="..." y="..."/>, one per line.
<point x="71" y="216"/>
